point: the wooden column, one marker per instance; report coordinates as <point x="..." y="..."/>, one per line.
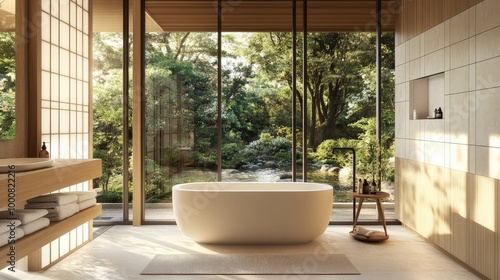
<point x="139" y="100"/>
<point x="34" y="78"/>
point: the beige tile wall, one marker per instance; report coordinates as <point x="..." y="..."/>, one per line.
<point x="448" y="171"/>
<point x="467" y="49"/>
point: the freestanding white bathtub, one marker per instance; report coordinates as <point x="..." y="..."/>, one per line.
<point x="252" y="213"/>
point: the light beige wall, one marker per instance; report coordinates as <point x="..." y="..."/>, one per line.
<point x="60" y="99"/>
<point x="448" y="170"/>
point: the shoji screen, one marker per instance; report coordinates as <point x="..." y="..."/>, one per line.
<point x="65" y="33"/>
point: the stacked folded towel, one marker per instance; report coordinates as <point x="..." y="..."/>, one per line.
<point x="29" y="221"/>
<point x="85" y="199"/>
<point x="58" y="205"/>
<point x="9" y="229"/>
<point x="63" y="205"/>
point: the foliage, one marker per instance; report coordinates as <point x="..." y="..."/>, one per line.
<point x="338" y="65"/>
<point x="108" y="127"/>
<point x="157" y="185"/>
<point x="366" y="148"/>
<point x="7" y="86"/>
<point x="367" y="152"/>
<point x="326" y="154"/>
<point x="181" y="103"/>
<point x="267" y="148"/>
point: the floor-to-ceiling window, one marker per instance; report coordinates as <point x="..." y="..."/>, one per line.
<point x="110" y="111"/>
<point x="8" y="70"/>
<point x="180" y="118"/>
<point x="181" y="131"/>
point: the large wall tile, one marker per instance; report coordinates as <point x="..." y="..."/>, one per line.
<point x="416" y="150"/>
<point x="407" y="91"/>
<point x="400" y="147"/>
<point x="487" y="44"/>
<point x="459" y="80"/>
<point x="447" y="155"/>
<point x="472" y="77"/>
<point x="447" y="32"/>
<point x="447" y="82"/>
<point x="434" y="130"/>
<point x="434" y="62"/>
<point x="459" y="118"/>
<point x="400" y="74"/>
<point x="488" y="162"/>
<point x="447" y="58"/>
<point x="459" y="28"/>
<point x="472" y="108"/>
<point x="416" y="129"/>
<point x="407" y="52"/>
<point x="472" y="21"/>
<point x="487" y="117"/>
<point x="399" y="92"/>
<point x="434" y="39"/>
<point x="400" y="54"/>
<point x="460" y="54"/>
<point x="459" y="157"/>
<point x="434" y="153"/>
<point x="472" y="159"/>
<point x="487" y="15"/>
<point x="415" y="48"/>
<point x="401" y="116"/>
<point x="415" y="69"/>
<point x="447" y="118"/>
<point x="472" y="50"/>
<point x="407" y="118"/>
<point x="407" y="71"/>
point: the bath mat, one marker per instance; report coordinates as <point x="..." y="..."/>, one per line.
<point x="233" y="264"/>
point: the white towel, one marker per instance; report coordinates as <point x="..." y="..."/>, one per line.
<point x="58" y="198"/>
<point x="5" y="224"/>
<point x="65" y="211"/>
<point x="83" y="195"/>
<point x="361" y="231"/>
<point x="36" y="225"/>
<point x="87" y="203"/>
<point x="4" y="237"/>
<point x="24" y="215"/>
<point x="50" y="206"/>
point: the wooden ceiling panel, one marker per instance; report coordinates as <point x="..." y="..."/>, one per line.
<point x="108" y="17"/>
<point x="250" y="15"/>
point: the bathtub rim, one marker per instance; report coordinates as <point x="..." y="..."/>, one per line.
<point x="318" y="187"/>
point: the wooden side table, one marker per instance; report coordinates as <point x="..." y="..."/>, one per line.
<point x="376" y="236"/>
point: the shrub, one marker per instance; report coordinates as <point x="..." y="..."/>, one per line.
<point x="110" y="197"/>
<point x="325" y="152"/>
<point x="170" y="157"/>
<point x="208" y="160"/>
<point x="231" y="157"/>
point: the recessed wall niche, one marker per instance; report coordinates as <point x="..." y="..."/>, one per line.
<point x="426" y="94"/>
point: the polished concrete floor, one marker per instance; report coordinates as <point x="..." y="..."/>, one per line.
<point x="122" y="252"/>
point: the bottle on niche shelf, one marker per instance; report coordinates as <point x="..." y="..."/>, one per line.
<point x="43" y="152"/>
<point x="439" y="113"/>
<point x="414" y="114"/>
<point x="435" y="113"/>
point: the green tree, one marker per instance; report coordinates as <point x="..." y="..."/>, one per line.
<point x="336" y="77"/>
<point x="108" y="126"/>
<point x="7" y="85"/>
